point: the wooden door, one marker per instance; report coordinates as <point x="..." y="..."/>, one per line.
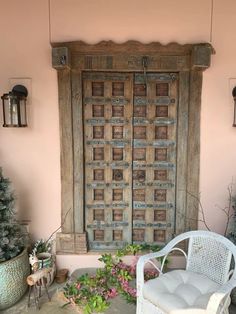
<point x="154" y="157"/>
<point x="130" y="157"/>
<point x="108" y="158"/>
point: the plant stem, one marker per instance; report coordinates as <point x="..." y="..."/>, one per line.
<point x="51" y="235"/>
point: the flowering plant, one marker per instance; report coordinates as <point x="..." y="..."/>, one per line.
<point x="92" y="293"/>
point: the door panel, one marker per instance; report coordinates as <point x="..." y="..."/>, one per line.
<point x="108" y="158"/>
<point x="130" y="157"/>
<point x="154" y="157"/>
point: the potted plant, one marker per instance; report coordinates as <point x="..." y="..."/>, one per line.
<point x="14" y="264"/>
<point x="42" y="251"/>
<point x="42" y="256"/>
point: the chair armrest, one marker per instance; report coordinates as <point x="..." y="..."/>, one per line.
<point x="219" y="295"/>
<point x="170" y="251"/>
<point x="146" y="258"/>
<point x="141" y="264"/>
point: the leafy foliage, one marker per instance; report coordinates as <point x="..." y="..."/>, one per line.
<point x="12" y="239"/>
<point x="42" y="246"/>
<point x="91" y="293"/>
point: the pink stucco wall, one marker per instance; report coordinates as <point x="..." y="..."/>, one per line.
<point x="30" y="156"/>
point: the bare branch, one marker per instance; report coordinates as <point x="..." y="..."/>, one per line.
<point x="228" y="209"/>
<point x="52" y="234"/>
<point x="201" y="210"/>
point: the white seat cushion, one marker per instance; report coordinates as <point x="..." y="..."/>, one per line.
<point x="180" y="290"/>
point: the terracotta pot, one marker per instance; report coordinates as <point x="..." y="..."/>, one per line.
<point x="13" y="274"/>
<point x="61" y="275"/>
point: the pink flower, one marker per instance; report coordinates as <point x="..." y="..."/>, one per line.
<point x="112" y="293"/>
<point x="132" y="292"/>
<point x="125" y="285"/>
<point x="78" y="286"/>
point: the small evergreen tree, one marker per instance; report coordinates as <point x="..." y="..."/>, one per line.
<point x="12" y="238"/>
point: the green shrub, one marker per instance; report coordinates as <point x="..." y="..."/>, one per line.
<point x="12" y="238"/>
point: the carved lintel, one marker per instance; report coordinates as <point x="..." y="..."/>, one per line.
<point x="201" y="56"/>
<point x="71" y="243"/>
<point x="60" y="58"/>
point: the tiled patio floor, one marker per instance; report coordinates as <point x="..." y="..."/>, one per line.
<point x="118" y="305"/>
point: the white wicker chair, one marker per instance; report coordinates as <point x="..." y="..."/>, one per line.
<point x="203" y="287"/>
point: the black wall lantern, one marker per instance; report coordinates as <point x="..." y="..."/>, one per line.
<point x="234" y="96"/>
<point x="14" y="107"/>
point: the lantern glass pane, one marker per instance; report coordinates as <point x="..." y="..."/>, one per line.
<point x="23" y="112"/>
<point x="7" y="111"/>
<point x="14" y="108"/>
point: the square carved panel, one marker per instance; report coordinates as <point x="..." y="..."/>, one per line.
<point x="139" y="132"/>
<point x="117" y="111"/>
<point x="98" y="111"/>
<point x="138" y="235"/>
<point x="162" y="111"/>
<point x="98" y="235"/>
<point x="117" y="89"/>
<point x="139" y="214"/>
<point x="160" y="175"/>
<point x="159" y="215"/>
<point x="98" y="214"/>
<point x="98" y="131"/>
<point x="98" y="194"/>
<point x="117" y="132"/>
<point x="139" y="195"/>
<point x="117" y="153"/>
<point x="161" y="132"/>
<point x="139" y="90"/>
<point x="98" y="153"/>
<point x="139" y="154"/>
<point x="117" y="195"/>
<point x="117" y="174"/>
<point x="117" y="235"/>
<point x="117" y="215"/>
<point x="97" y="88"/>
<point x="162" y="89"/>
<point x="98" y="174"/>
<point x="139" y="175"/>
<point x="159" y="236"/>
<point x="140" y="111"/>
<point x="161" y="154"/>
<point x="160" y="195"/>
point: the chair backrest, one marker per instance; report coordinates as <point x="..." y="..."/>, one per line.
<point x="209" y="254"/>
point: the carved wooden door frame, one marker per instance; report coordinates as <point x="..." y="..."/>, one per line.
<point x="70" y="60"/>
